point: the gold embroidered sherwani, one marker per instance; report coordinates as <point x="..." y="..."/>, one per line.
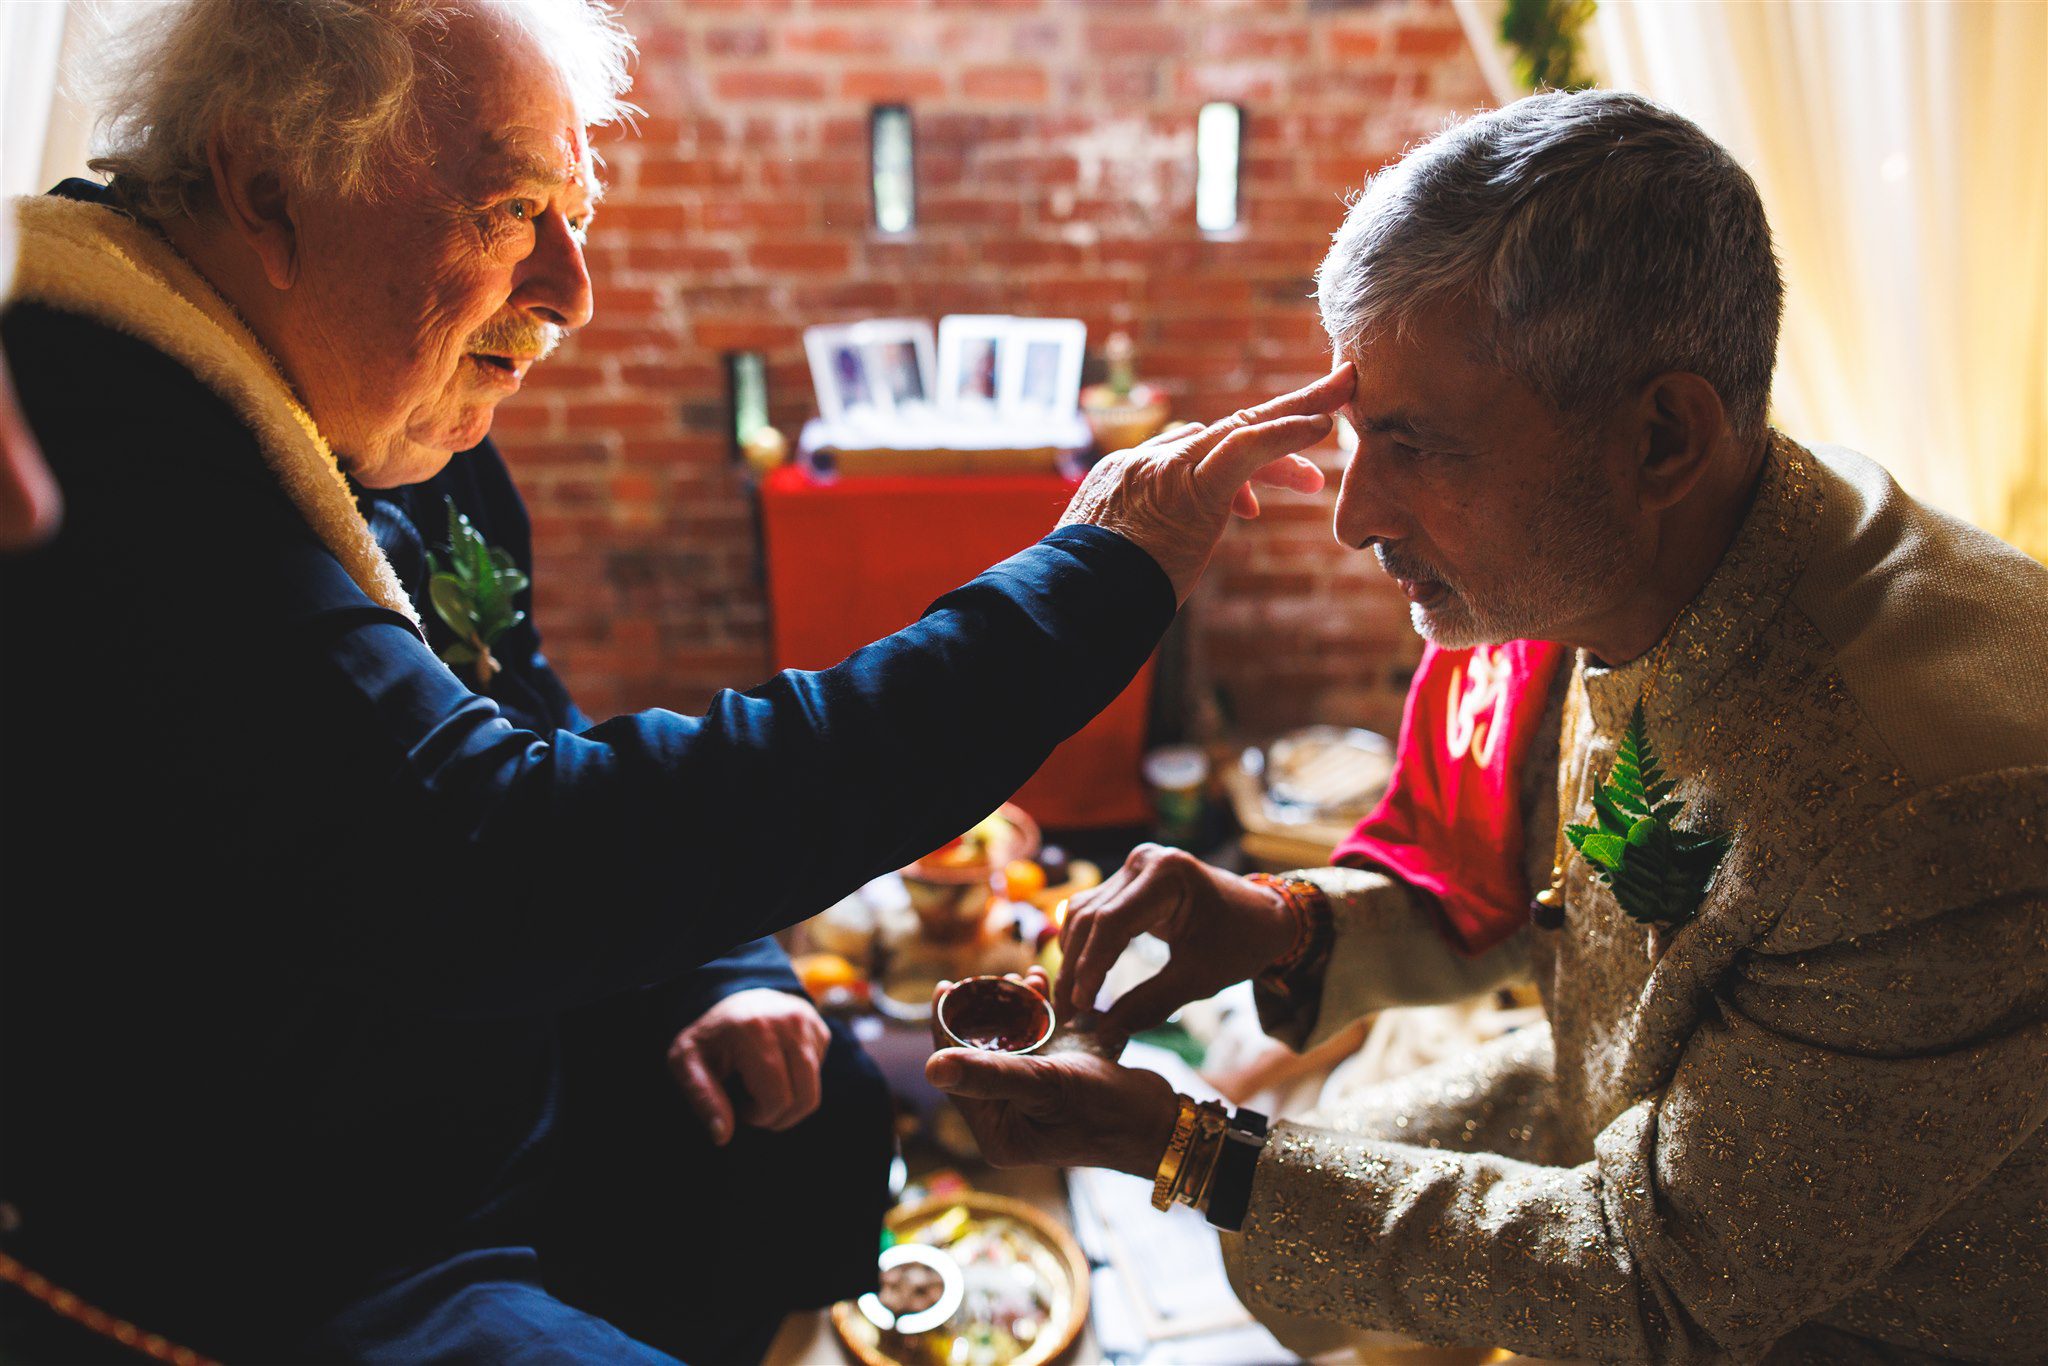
<point x="1807" y="1124"/>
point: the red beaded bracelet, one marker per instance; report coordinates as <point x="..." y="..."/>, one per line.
<point x="1309" y="908"/>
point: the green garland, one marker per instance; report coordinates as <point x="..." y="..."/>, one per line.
<point x="1544" y="35"/>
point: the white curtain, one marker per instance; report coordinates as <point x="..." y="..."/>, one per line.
<point x="48" y="50"/>
<point x="1902" y="153"/>
<point x="31" y="39"/>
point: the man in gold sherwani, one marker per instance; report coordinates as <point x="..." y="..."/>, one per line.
<point x="1802" y="1120"/>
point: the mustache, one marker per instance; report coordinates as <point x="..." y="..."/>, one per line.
<point x="515" y="334"/>
<point x="1402" y="566"/>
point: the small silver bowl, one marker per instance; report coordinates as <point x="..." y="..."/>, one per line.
<point x="996" y="1015"/>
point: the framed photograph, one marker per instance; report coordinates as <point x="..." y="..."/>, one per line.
<point x="1042" y="366"/>
<point x="901" y="361"/>
<point x="972" y="348"/>
<point x="840" y="369"/>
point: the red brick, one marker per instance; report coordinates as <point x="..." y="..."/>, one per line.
<point x="1211" y="331"/>
<point x="672" y="451"/>
<point x="620" y="217"/>
<point x="618" y="414"/>
<point x="812" y="256"/>
<point x="1234" y="82"/>
<point x="528" y="453"/>
<point x="1443" y="41"/>
<point x="837" y="40"/>
<point x="534" y="416"/>
<point x="768" y="84"/>
<point x="745" y="334"/>
<point x="750" y="40"/>
<point x="680" y="258"/>
<point x="606" y="336"/>
<point x="562" y="374"/>
<point x="1135" y="38"/>
<point x="1344" y="173"/>
<point x="692" y="173"/>
<point x="1240" y="41"/>
<point x="728" y="215"/>
<point x="674" y="376"/>
<point x="882" y="85"/>
<point x="1010" y="84"/>
<point x="851" y="299"/>
<point x="1353" y="43"/>
<point x="801" y="173"/>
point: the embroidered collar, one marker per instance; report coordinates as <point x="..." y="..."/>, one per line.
<point x="1720" y="628"/>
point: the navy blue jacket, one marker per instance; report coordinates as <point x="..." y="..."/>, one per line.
<point x="411" y="524"/>
<point x="290" y="912"/>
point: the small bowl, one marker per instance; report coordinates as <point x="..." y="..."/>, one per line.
<point x="944" y="1298"/>
<point x="995" y="1015"/>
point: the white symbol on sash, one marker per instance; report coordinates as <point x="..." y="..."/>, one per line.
<point x="1479" y="698"/>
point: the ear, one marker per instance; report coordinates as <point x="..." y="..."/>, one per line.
<point x="252" y="196"/>
<point x="1682" y="422"/>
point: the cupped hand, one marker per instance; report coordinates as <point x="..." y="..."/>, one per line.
<point x="1219" y="927"/>
<point x="773" y="1042"/>
<point x="1173" y="495"/>
<point x="1070" y="1108"/>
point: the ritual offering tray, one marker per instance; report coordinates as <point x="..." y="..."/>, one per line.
<point x="1012" y="1286"/>
<point x="995" y="1014"/>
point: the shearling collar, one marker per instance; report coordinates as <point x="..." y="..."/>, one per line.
<point x="100" y="264"/>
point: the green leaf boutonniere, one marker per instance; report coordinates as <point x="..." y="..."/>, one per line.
<point x="1658" y="874"/>
<point x="473" y="595"/>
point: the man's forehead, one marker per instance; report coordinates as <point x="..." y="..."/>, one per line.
<point x="530" y="156"/>
<point x="1427" y="388"/>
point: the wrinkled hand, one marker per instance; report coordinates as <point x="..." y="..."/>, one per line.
<point x="772" y="1041"/>
<point x="1071" y="1109"/>
<point x="1173" y="495"/>
<point x="1221" y="930"/>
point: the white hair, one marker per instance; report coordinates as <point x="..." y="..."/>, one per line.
<point x="333" y="89"/>
<point x="1607" y="238"/>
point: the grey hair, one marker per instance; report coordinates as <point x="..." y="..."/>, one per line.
<point x="1608" y="239"/>
<point x="334" y="89"/>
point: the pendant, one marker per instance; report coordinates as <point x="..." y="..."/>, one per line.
<point x="1546" y="910"/>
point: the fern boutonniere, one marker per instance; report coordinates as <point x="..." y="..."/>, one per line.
<point x="1658" y="873"/>
<point x="473" y="595"/>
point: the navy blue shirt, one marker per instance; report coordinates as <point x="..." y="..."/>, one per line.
<point x="290" y="911"/>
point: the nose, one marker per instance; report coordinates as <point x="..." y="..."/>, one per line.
<point x="1365" y="511"/>
<point x="554" y="282"/>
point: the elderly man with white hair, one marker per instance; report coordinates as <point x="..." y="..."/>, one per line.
<point x="1767" y="741"/>
<point x="361" y="1005"/>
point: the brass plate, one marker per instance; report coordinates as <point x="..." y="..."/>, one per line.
<point x="1067" y="1315"/>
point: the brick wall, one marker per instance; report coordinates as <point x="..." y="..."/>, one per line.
<point x="1056" y="177"/>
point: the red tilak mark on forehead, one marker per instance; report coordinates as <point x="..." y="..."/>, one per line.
<point x="579" y="154"/>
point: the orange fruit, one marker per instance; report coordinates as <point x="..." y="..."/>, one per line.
<point x="1022" y="879"/>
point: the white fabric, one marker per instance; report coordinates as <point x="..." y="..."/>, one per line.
<point x="49" y="50"/>
<point x="32" y="41"/>
<point x="1902" y="153"/>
